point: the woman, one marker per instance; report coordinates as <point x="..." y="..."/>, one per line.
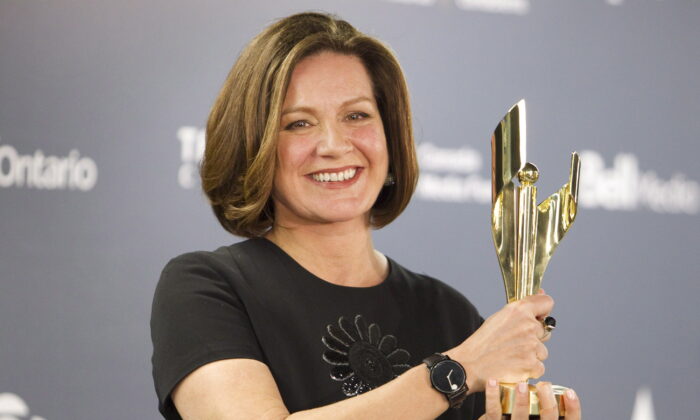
<point x="309" y="146"/>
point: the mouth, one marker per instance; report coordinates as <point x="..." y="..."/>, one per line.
<point x="340" y="175"/>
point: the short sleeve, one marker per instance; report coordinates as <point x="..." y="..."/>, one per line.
<point x="196" y="318"/>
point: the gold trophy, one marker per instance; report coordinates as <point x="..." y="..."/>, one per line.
<point x="525" y="234"/>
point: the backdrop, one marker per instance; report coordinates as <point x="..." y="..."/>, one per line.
<point x="102" y="106"/>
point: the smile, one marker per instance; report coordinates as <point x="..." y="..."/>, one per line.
<point x="335" y="176"/>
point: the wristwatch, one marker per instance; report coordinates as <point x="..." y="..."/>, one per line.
<point x="448" y="377"/>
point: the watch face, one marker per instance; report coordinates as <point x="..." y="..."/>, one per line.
<point x="447" y="376"/>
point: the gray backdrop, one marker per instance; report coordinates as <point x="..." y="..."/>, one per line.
<point x="101" y="110"/>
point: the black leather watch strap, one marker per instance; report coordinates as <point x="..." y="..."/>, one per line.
<point x="456" y="397"/>
<point x="433" y="359"/>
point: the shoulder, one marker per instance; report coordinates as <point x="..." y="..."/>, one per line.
<point x="228" y="271"/>
<point x="195" y="268"/>
<point x="222" y="263"/>
<point x="219" y="259"/>
<point x="201" y="272"/>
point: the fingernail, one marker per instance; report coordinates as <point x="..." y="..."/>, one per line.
<point x="570" y="394"/>
<point x="492" y="383"/>
<point x="522" y="387"/>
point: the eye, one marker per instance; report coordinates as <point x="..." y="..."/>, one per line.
<point x="297" y="124"/>
<point x="355" y="116"/>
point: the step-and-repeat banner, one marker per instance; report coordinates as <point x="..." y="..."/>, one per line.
<point x="102" y="109"/>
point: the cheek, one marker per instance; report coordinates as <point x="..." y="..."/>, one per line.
<point x="292" y="153"/>
<point x="370" y="139"/>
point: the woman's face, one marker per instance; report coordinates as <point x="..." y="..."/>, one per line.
<point x="332" y="156"/>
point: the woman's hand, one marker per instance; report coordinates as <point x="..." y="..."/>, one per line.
<point x="548" y="405"/>
<point x="509" y="345"/>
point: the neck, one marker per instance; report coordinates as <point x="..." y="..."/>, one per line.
<point x="339" y="253"/>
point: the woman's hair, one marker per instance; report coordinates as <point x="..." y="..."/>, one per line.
<point x="241" y="139"/>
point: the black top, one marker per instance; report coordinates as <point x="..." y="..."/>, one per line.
<point x="322" y="342"/>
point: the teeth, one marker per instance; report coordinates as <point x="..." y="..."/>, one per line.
<point x="335" y="176"/>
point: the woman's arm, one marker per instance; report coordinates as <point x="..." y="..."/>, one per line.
<point x="507" y="346"/>
<point x="245" y="389"/>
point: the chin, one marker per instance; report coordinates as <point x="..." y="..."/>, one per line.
<point x="340" y="215"/>
<point x="341" y="218"/>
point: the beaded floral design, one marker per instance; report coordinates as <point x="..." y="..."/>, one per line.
<point x="361" y="357"/>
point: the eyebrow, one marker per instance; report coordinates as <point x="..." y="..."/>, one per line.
<point x="309" y="109"/>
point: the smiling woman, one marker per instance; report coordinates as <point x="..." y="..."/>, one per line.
<point x="309" y="147"/>
<point x="244" y="125"/>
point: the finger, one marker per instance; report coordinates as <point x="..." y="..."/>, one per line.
<point x="539" y="305"/>
<point x="538" y="370"/>
<point x="521" y="408"/>
<point x="572" y="404"/>
<point x="542" y="332"/>
<point x="541" y="352"/>
<point x="493" y="401"/>
<point x="549" y="410"/>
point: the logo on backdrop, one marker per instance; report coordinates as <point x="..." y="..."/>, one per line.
<point x="191" y="152"/>
<point x="46" y="172"/>
<point x="643" y="405"/>
<point x="454" y="175"/>
<point x="12" y="407"/>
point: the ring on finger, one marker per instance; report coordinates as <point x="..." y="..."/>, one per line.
<point x="549" y="324"/>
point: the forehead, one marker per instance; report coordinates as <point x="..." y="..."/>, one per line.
<point x="328" y="77"/>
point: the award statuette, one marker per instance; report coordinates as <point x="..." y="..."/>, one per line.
<point x="525" y="234"/>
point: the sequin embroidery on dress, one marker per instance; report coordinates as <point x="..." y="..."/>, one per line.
<point x="360" y="357"/>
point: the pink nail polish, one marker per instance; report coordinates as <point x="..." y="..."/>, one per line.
<point x="522" y="387"/>
<point x="492" y="383"/>
<point x="570" y="394"/>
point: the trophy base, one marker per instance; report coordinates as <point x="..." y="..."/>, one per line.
<point x="508" y="391"/>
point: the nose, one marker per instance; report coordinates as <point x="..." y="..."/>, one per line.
<point x="334" y="142"/>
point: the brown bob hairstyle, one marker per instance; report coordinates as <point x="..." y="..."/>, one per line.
<point x="241" y="138"/>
